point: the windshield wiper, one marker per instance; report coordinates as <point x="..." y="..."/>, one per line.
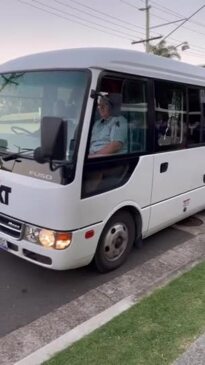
<point x="14" y="156"/>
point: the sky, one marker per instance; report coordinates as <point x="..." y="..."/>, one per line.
<point x="33" y="26"/>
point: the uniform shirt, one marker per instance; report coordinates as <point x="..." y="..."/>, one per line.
<point x="109" y="130"/>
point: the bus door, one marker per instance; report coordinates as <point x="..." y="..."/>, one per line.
<point x="125" y="175"/>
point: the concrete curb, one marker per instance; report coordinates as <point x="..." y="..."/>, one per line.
<point x="61" y="343"/>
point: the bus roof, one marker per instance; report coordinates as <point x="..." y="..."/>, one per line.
<point x="121" y="60"/>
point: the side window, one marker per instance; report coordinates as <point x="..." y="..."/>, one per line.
<point x="118" y="128"/>
<point x="109" y="134"/>
<point x="194" y="116"/>
<point x="134" y="109"/>
<point x="120" y="119"/>
<point x="170" y="114"/>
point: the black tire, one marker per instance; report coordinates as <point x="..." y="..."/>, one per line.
<point x="115" y="242"/>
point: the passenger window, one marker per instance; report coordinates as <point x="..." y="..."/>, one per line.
<point x="194" y="116"/>
<point x="134" y="109"/>
<point x="170" y="114"/>
<point x="120" y="116"/>
<point x="118" y="128"/>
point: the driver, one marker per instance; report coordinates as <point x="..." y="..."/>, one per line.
<point x="109" y="133"/>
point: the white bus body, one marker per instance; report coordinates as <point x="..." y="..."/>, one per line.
<point x="163" y="179"/>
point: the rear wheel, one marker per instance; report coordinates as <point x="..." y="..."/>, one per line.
<point x="115" y="242"/>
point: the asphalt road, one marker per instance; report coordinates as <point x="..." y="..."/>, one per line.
<point x="27" y="291"/>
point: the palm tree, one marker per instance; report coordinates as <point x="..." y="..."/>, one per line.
<point x="161" y="49"/>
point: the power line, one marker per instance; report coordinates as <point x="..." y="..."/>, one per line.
<point x="159" y="17"/>
<point x="198" y="53"/>
<point x="174" y="13"/>
<point x="72" y="20"/>
<point x="131" y="5"/>
<point x="189" y="29"/>
<point x="170" y="11"/>
<point x="166" y="10"/>
<point x="92" y="22"/>
<point x="162" y="18"/>
<point x="96" y="16"/>
<point x="192" y="46"/>
<point x="78" y="17"/>
<point x="80" y="20"/>
<point x="167" y="23"/>
<point x="199" y="49"/>
<point x="186" y="20"/>
<point x="103" y="13"/>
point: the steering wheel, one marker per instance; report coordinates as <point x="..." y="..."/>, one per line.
<point x="18" y="130"/>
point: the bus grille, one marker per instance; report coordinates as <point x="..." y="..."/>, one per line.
<point x="10" y="226"/>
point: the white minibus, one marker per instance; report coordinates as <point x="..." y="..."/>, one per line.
<point x="60" y="206"/>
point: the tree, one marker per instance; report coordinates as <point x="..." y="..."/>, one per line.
<point x="161" y="49"/>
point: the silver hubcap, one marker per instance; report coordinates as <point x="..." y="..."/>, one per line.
<point x="115" y="242"/>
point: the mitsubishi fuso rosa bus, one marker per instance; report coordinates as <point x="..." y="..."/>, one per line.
<point x="60" y="207"/>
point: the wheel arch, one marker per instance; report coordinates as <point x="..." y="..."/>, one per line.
<point x="134" y="210"/>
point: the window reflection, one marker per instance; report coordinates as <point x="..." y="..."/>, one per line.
<point x="170" y="108"/>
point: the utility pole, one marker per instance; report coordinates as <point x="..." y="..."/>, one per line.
<point x="147" y="25"/>
<point x="147" y="9"/>
<point x="146" y="41"/>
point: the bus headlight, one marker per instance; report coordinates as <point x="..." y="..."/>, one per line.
<point x="48" y="238"/>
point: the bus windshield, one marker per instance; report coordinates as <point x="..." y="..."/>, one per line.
<point x="27" y="97"/>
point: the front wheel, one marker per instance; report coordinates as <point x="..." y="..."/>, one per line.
<point x="115" y="242"/>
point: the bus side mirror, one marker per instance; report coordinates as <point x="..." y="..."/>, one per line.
<point x="53" y="140"/>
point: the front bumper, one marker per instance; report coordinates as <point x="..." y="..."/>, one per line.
<point x="79" y="253"/>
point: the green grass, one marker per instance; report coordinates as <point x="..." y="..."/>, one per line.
<point x="153" y="332"/>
